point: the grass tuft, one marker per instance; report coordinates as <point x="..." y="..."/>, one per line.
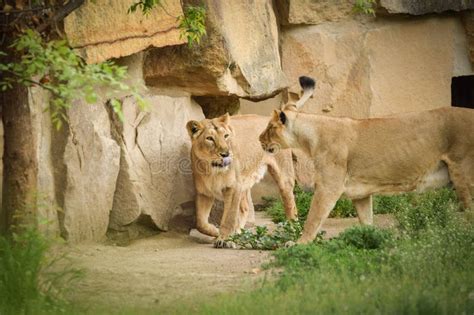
<point x="30" y="280"/>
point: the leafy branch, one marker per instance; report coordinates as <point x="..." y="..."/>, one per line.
<point x="55" y="67"/>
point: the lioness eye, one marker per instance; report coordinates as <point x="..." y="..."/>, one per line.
<point x="226" y="136"/>
<point x="210" y="139"/>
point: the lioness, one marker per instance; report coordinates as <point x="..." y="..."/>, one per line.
<point x="361" y="157"/>
<point x="227" y="161"/>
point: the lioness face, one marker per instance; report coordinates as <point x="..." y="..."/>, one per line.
<point x="274" y="137"/>
<point x="212" y="141"/>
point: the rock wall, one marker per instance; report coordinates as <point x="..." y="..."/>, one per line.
<point x="100" y="175"/>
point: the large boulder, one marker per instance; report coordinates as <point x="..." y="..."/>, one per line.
<point x="424" y="7"/>
<point x="155" y="179"/>
<point x="314" y="11"/>
<point x="375" y="69"/>
<point x="86" y="173"/>
<point x="239" y="55"/>
<point x="102" y="31"/>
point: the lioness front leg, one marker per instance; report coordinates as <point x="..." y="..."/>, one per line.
<point x="329" y="188"/>
<point x="229" y="219"/>
<point x="203" y="209"/>
<point x="286" y="183"/>
<point x="364" y="210"/>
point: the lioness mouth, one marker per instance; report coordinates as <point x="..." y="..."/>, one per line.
<point x="225" y="162"/>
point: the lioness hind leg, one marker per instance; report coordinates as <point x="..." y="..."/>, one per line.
<point x="244" y="209"/>
<point x="251" y="214"/>
<point x="285" y="179"/>
<point x="461" y="183"/>
<point x="364" y="210"/>
<point x="203" y="209"/>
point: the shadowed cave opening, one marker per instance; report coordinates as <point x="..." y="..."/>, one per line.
<point x="462" y="91"/>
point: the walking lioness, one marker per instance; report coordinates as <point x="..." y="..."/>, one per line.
<point x="361" y="157"/>
<point x="227" y="161"/>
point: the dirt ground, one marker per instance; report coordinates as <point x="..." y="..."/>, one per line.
<point x="169" y="268"/>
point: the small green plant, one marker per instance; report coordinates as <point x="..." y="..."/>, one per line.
<point x="365" y="7"/>
<point x="424" y="211"/>
<point x="144" y="5"/>
<point x="55" y="66"/>
<point x="262" y="238"/>
<point x="366" y="237"/>
<point x="31" y="280"/>
<point x="192" y="23"/>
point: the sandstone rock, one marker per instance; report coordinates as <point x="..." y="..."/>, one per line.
<point x="468" y="21"/>
<point x="155" y="178"/>
<point x="425" y="7"/>
<point x="263" y="108"/>
<point x="314" y="11"/>
<point x="47" y="206"/>
<point x="239" y="56"/>
<point x="334" y="54"/>
<point x="102" y="31"/>
<point x="215" y="106"/>
<point x="375" y="69"/>
<point x="85" y="183"/>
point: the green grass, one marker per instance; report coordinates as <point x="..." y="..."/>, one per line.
<point x="424" y="267"/>
<point x="345" y="209"/>
<point x="30" y="280"/>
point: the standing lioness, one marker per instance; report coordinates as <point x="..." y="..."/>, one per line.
<point x="361" y="157"/>
<point x="227" y="161"/>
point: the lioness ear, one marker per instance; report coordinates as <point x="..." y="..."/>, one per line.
<point x="276" y="115"/>
<point x="194" y="128"/>
<point x="224" y="118"/>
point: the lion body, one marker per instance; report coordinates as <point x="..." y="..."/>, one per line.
<point x="359" y="158"/>
<point x="232" y="183"/>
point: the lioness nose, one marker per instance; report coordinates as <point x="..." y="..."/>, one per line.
<point x="224" y="154"/>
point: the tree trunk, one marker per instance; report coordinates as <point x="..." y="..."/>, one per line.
<point x="20" y="166"/>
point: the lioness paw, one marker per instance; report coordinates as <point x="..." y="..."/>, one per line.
<point x="220" y="243"/>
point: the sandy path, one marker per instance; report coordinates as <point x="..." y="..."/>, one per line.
<point x="170" y="268"/>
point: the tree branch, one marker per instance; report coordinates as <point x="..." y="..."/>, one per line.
<point x="61" y="13"/>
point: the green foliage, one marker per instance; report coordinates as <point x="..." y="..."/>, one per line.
<point x="364" y="6"/>
<point x="366" y="237"/>
<point x="275" y="209"/>
<point x="372" y="271"/>
<point x="262" y="238"/>
<point x="419" y="212"/>
<point x="192" y="23"/>
<point x="30" y="280"/>
<point x="400" y="205"/>
<point x="55" y="67"/>
<point x="144" y="5"/>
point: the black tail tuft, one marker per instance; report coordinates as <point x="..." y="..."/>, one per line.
<point x="307" y="83"/>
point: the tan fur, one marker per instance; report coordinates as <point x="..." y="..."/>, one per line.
<point x="237" y="137"/>
<point x="358" y="158"/>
